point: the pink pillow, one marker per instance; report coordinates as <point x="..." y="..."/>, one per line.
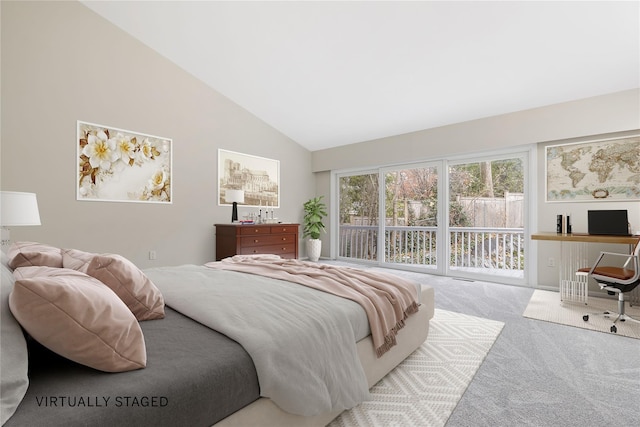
<point x="132" y="286"/>
<point x="25" y="254"/>
<point x="76" y="259"/>
<point x="77" y="317"/>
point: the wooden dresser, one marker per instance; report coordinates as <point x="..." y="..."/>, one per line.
<point x="247" y="239"/>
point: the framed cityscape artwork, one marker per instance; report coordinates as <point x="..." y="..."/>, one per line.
<point x="256" y="179"/>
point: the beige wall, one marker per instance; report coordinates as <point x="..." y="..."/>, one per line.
<point x="609" y="115"/>
<point x="592" y="116"/>
<point x="62" y="63"/>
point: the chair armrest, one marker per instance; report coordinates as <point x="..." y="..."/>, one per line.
<point x="629" y="257"/>
<point x="617" y="254"/>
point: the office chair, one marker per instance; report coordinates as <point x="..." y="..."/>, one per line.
<point x="616" y="280"/>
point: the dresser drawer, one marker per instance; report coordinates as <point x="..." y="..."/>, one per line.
<point x="282" y="250"/>
<point x="247" y="229"/>
<point x="268" y="239"/>
<point x="281" y="229"/>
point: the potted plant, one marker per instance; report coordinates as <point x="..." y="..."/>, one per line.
<point x="314" y="211"/>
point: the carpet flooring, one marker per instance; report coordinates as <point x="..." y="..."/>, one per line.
<point x="537" y="374"/>
<point x="425" y="388"/>
<point x="546" y="305"/>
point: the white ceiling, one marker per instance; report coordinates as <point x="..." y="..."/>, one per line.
<point x="334" y="73"/>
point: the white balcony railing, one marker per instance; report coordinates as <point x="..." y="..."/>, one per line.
<point x="471" y="247"/>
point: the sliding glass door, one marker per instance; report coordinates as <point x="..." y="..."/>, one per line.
<point x="487" y="217"/>
<point x="411" y="216"/>
<point x="460" y="218"/>
<point x="358" y="206"/>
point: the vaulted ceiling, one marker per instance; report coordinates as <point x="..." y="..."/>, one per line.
<point x="334" y="73"/>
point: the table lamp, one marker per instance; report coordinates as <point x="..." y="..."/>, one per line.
<point x="234" y="197"/>
<point x="17" y="209"/>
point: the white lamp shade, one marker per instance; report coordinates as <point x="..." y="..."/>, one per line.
<point x="18" y="209"/>
<point x="231" y="196"/>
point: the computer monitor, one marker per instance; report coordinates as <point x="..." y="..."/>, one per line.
<point x="613" y="222"/>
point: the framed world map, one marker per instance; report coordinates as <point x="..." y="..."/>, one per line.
<point x="607" y="170"/>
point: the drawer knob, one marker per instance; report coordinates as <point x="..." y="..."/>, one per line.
<point x="255" y="240"/>
<point x="284" y="239"/>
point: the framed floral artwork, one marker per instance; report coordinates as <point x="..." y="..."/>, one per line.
<point x="122" y="166"/>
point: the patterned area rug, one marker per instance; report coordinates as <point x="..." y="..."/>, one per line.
<point x="546" y="305"/>
<point x="425" y="388"/>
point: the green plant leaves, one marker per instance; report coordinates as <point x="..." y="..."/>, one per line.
<point x="314" y="211"/>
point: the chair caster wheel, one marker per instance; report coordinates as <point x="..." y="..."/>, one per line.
<point x="614" y="329"/>
<point x="585" y="317"/>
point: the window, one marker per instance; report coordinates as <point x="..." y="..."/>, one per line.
<point x="467" y="222"/>
<point x="486" y="217"/>
<point x="358" y="211"/>
<point x="411" y="216"/>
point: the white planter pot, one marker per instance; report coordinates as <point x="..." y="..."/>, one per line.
<point x="314" y="247"/>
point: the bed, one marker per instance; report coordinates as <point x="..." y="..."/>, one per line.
<point x="197" y="372"/>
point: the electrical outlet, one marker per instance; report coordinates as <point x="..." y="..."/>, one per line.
<point x="152" y="255"/>
<point x="551" y="262"/>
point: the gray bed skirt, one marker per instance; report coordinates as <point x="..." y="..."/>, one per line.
<point x="194" y="376"/>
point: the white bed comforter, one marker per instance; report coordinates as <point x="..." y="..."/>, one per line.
<point x="302" y="341"/>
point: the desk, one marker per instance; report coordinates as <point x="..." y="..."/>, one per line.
<point x="574" y="256"/>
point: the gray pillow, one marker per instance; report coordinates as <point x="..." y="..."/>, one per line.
<point x="13" y="347"/>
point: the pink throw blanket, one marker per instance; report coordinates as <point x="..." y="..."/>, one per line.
<point x="388" y="300"/>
